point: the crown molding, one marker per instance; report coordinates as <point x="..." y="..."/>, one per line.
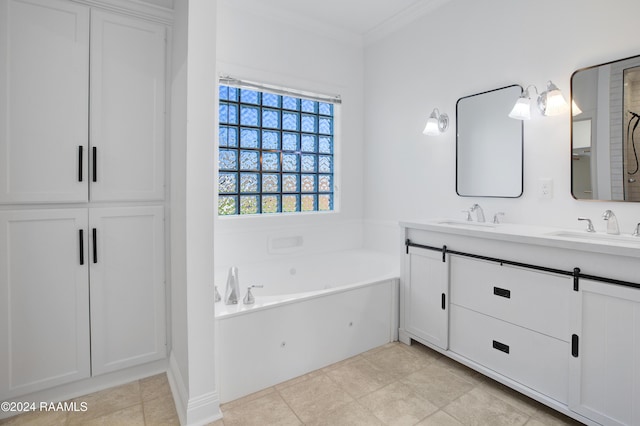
<point x="136" y="8"/>
<point x="401" y="20"/>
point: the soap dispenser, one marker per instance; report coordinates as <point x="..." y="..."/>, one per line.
<point x="233" y="287"/>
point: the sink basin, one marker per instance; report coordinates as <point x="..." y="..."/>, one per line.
<point x="466" y="223"/>
<point x="596" y="237"/>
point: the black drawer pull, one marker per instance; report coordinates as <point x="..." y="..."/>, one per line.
<point x="81" y="239"/>
<point x="444" y="301"/>
<point x="501" y="346"/>
<point x="502" y="292"/>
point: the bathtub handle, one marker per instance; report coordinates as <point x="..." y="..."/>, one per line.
<point x="249" y="299"/>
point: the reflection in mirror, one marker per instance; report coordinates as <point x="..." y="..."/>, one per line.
<point x="605" y="135"/>
<point x="489" y="145"/>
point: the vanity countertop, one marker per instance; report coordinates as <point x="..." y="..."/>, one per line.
<point x="598" y="242"/>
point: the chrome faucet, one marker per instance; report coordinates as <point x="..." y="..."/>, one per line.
<point x="612" y="222"/>
<point x="479" y="212"/>
<point x="497" y="216"/>
<point x="590" y="227"/>
<point x="249" y="299"/>
<point x="233" y="287"/>
<point x="636" y="233"/>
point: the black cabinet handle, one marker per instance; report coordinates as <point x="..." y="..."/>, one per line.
<point x="95" y="164"/>
<point x="444" y="301"/>
<point x="80" y="149"/>
<point x="81" y="240"/>
<point x="502" y="292"/>
<point x="574" y="345"/>
<point x="95" y="245"/>
<point x="501" y="346"/>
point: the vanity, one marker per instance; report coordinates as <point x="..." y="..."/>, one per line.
<point x="551" y="313"/>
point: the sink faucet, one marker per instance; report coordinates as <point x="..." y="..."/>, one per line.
<point x="612" y="222"/>
<point x="636" y="233"/>
<point x="590" y="227"/>
<point x="479" y="212"/>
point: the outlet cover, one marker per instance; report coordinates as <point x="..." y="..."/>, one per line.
<point x="545" y="187"/>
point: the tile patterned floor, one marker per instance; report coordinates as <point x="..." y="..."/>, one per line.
<point x="392" y="385"/>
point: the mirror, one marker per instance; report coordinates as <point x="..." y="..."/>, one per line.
<point x="489" y="145"/>
<point x="605" y="135"/>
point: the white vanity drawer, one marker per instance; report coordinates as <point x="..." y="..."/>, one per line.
<point x="536" y="300"/>
<point x="533" y="359"/>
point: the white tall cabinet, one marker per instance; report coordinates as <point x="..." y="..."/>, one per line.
<point x="82" y="188"/>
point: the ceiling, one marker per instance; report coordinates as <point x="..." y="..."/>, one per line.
<point x="356" y="16"/>
<point x="360" y="18"/>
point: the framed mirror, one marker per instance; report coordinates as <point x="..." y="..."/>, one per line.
<point x="489" y="147"/>
<point x="605" y="131"/>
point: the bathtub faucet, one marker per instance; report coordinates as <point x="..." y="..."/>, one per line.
<point x="233" y="287"/>
<point x="249" y="299"/>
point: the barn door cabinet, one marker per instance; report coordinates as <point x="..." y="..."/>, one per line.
<point x="557" y="320"/>
<point x="81" y="292"/>
<point x="605" y="366"/>
<point x="82" y="104"/>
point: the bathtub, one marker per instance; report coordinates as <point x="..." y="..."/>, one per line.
<point x="312" y="311"/>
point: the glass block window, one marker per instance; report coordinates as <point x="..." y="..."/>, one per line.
<point x="276" y="153"/>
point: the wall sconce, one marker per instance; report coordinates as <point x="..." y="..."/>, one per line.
<point x="575" y="110"/>
<point x="436" y="124"/>
<point x="550" y="102"/>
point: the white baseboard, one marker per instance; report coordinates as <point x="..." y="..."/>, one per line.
<point x="200" y="410"/>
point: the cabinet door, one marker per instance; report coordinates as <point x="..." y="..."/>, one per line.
<point x="127" y="108"/>
<point x="605" y="374"/>
<point x="127" y="287"/>
<point x="426" y="296"/>
<point x="44" y="300"/>
<point x="44" y="85"/>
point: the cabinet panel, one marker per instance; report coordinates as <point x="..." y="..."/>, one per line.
<point x="127" y="108"/>
<point x="537" y="300"/>
<point x="426" y="296"/>
<point x="606" y="373"/>
<point x="44" y="85"/>
<point x="127" y="287"/>
<point x="533" y="359"/>
<point x="44" y="300"/>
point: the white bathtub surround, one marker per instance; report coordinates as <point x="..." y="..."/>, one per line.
<point x="312" y="311"/>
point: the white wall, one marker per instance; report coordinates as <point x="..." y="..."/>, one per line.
<point x="465" y="47"/>
<point x="192" y="368"/>
<point x="255" y="44"/>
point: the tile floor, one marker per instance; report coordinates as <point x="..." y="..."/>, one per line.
<point x="394" y="385"/>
